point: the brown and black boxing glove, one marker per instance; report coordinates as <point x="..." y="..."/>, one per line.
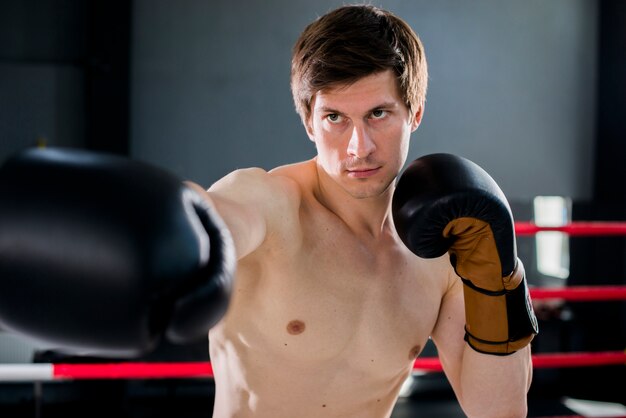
<point x="445" y="203"/>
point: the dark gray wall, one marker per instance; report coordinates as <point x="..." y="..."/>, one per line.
<point x="41" y="79"/>
<point x="512" y="86"/>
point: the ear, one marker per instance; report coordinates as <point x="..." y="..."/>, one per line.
<point x="417" y="118"/>
<point x="308" y="120"/>
<point x="308" y="126"/>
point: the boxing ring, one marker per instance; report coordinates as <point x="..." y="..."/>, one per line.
<point x="43" y="372"/>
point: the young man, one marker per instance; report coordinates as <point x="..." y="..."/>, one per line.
<point x="342" y="274"/>
<point x="330" y="308"/>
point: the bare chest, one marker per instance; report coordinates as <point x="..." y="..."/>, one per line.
<point x="334" y="303"/>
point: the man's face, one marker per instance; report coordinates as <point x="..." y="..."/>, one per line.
<point x="362" y="133"/>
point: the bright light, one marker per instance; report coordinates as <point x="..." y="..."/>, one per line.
<point x="552" y="247"/>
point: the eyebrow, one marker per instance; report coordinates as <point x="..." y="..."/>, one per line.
<point x="384" y="105"/>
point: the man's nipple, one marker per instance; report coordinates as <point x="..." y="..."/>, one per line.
<point x="415" y="352"/>
<point x="295" y="327"/>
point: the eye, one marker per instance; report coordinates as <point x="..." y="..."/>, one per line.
<point x="334" y="118"/>
<point x="379" y="114"/>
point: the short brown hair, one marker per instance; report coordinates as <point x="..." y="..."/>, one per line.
<point x="350" y="43"/>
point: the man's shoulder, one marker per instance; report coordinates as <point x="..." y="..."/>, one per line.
<point x="277" y="193"/>
<point x="253" y="181"/>
<point x="301" y="173"/>
<point x="295" y="180"/>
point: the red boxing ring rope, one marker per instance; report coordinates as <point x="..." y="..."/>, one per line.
<point x="48" y="372"/>
<point x="545" y="360"/>
<point x="550" y="360"/>
<point x="132" y="370"/>
<point x="580" y="293"/>
<point x="574" y="228"/>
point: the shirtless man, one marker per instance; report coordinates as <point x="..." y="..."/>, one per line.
<point x="330" y="306"/>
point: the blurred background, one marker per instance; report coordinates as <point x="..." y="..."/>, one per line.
<point x="533" y="91"/>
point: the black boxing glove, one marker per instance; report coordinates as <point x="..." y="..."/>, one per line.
<point x="103" y="255"/>
<point x="445" y="203"/>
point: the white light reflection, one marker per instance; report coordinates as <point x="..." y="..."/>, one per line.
<point x="552" y="247"/>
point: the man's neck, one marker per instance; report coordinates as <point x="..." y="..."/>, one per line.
<point x="366" y="217"/>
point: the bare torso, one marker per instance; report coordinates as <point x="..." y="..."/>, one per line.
<point x="323" y="323"/>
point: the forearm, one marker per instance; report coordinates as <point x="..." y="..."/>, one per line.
<point x="494" y="386"/>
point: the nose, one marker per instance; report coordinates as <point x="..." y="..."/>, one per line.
<point x="361" y="144"/>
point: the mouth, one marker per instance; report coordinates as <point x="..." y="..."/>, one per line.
<point x="363" y="172"/>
